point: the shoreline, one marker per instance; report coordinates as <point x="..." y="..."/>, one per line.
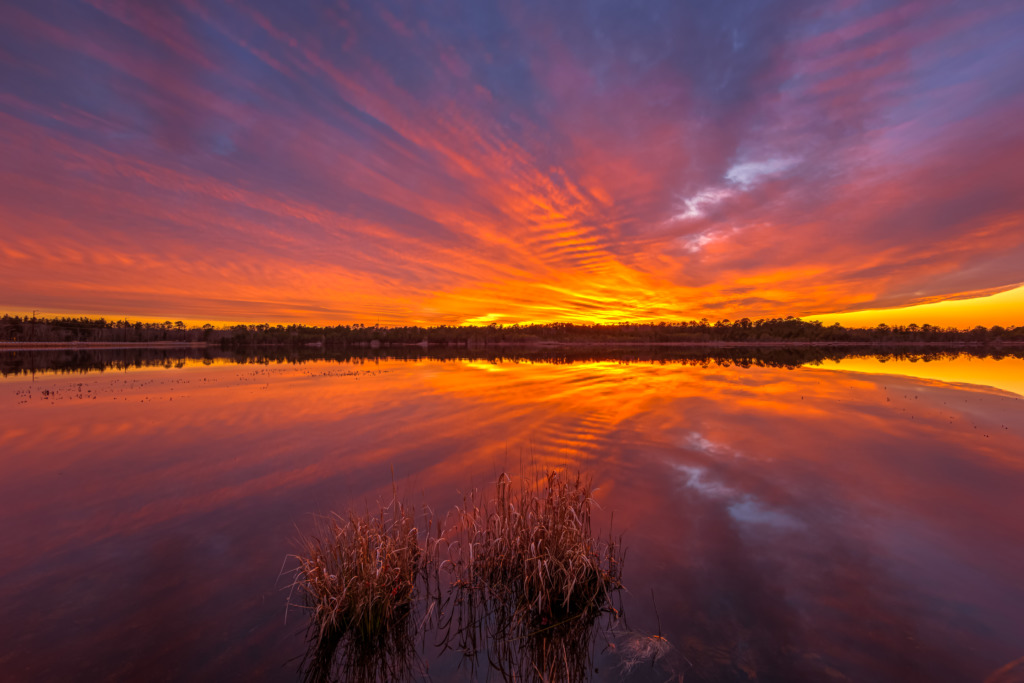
<point x="72" y="346"/>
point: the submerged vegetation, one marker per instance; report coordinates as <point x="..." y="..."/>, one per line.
<point x="518" y="578"/>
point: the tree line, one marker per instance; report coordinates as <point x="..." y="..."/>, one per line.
<point x="744" y="330"/>
<point x="83" y="329"/>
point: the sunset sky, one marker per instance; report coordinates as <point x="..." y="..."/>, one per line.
<point x="476" y="162"/>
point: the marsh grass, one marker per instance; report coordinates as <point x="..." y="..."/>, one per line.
<point x="517" y="576"/>
<point x="359" y="578"/>
<point x="529" y="578"/>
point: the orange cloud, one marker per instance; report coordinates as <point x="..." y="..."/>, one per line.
<point x="240" y="164"/>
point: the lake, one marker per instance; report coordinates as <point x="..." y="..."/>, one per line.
<point x="789" y="515"/>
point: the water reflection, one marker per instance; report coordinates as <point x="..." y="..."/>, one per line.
<point x="794" y="522"/>
<point x="84" y="359"/>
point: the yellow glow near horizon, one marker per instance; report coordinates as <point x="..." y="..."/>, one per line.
<point x="1005" y="308"/>
<point x="1005" y="374"/>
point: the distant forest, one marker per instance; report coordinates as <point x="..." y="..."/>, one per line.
<point x="773" y="330"/>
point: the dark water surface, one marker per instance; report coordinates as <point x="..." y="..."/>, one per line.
<point x="858" y="519"/>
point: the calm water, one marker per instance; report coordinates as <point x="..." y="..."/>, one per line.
<point x="851" y="520"/>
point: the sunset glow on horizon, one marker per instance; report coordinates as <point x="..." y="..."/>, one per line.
<point x="515" y="162"/>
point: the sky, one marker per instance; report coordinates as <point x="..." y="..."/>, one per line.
<point x="476" y="162"/>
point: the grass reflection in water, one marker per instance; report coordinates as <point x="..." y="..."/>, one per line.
<point x="518" y="577"/>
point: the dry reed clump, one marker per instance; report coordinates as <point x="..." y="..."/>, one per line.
<point x="530" y="578"/>
<point x="358" y="578"/>
<point x="534" y="548"/>
<point x="526" y="583"/>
